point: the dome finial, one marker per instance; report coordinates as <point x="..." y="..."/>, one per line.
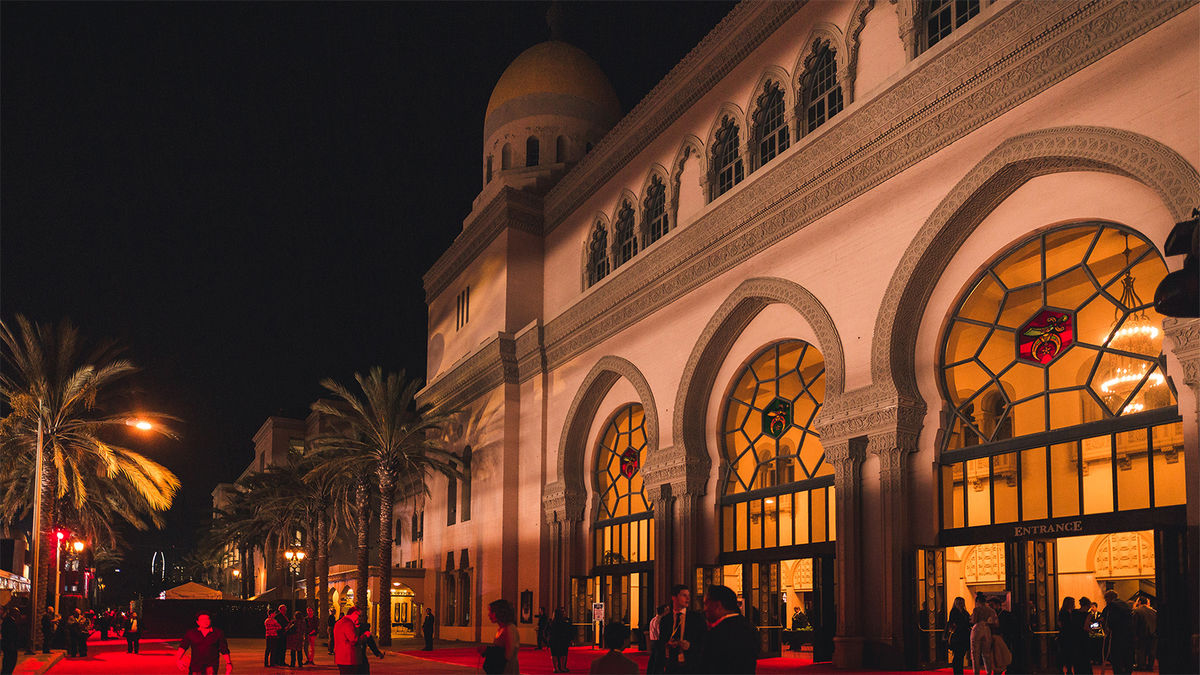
<point x="554" y="19"/>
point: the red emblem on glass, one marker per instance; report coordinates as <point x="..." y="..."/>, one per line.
<point x="1049" y="333"/>
<point x="629" y="462"/>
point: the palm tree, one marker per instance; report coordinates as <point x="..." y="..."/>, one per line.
<point x="382" y="433"/>
<point x="51" y="383"/>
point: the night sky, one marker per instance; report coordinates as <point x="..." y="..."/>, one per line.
<point x="247" y="195"/>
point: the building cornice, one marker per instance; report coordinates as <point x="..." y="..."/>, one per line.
<point x="515" y="209"/>
<point x="492" y="365"/>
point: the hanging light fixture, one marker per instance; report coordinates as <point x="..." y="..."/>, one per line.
<point x="1137" y="336"/>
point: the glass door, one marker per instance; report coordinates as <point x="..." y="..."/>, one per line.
<point x="1039" y="607"/>
<point x="931" y="607"/>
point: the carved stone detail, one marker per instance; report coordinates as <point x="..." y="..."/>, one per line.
<point x="1183" y="335"/>
<point x="561" y="504"/>
<point x="997" y="176"/>
<point x="739" y="309"/>
<point x="489" y="367"/>
<point x="672" y="467"/>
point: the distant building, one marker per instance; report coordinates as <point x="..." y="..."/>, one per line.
<point x="851" y="313"/>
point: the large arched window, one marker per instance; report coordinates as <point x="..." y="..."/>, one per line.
<point x="1056" y="399"/>
<point x="625" y="235"/>
<point x="727" y="168"/>
<point x="771" y="135"/>
<point x="654" y="210"/>
<point x="822" y="92"/>
<point x="942" y="17"/>
<point x="624" y="530"/>
<point x="778" y="489"/>
<point x="597" y="266"/>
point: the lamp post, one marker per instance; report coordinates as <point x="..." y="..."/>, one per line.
<point x="58" y="569"/>
<point x="294" y="558"/>
<point x="237" y="579"/>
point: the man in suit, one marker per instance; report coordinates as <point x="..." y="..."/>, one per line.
<point x="731" y="644"/>
<point x="681" y="633"/>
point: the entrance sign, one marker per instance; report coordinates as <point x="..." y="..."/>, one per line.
<point x="598" y="612"/>
<point x="1069" y="527"/>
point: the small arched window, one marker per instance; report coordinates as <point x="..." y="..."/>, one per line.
<point x="626" y="236"/>
<point x="942" y="17"/>
<point x="560" y="149"/>
<point x="488" y="171"/>
<point x="532" y="152"/>
<point x="770" y="128"/>
<point x="506" y="157"/>
<point x="597" y="254"/>
<point x="822" y="93"/>
<point x="654" y="209"/>
<point x="727" y="168"/>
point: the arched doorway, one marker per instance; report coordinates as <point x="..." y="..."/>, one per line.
<point x="404" y="616"/>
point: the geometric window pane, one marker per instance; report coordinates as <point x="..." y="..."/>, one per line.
<point x="824" y="95"/>
<point x="655" y="210"/>
<point x="619" y="465"/>
<point x="727" y="166"/>
<point x="767" y="438"/>
<point x="770" y="126"/>
<point x="1060" y="330"/>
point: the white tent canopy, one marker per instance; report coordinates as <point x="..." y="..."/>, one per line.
<point x="192" y="591"/>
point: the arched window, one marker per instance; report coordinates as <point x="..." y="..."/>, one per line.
<point x="560" y="149"/>
<point x="768" y="442"/>
<point x="451" y="613"/>
<point x="597" y="254"/>
<point x="624" y="530"/>
<point x="506" y="157"/>
<point x="942" y="17"/>
<point x="626" y="236"/>
<point x="822" y="92"/>
<point x="464" y="594"/>
<point x="1052" y="373"/>
<point x="532" y="151"/>
<point x="727" y="169"/>
<point x="771" y="135"/>
<point x="654" y="210"/>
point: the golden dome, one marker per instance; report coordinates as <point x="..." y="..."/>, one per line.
<point x="556" y="68"/>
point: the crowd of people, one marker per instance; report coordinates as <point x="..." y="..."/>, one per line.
<point x="1118" y="635"/>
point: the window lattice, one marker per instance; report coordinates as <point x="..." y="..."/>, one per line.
<point x="727" y="164"/>
<point x="619" y="465"/>
<point x="824" y="94"/>
<point x="598" y="254"/>
<point x="768" y="434"/>
<point x="770" y="126"/>
<point x="626" y="236"/>
<point x="943" y="16"/>
<point x="655" y="209"/>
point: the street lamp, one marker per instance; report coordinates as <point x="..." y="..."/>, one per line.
<point x="294" y="558"/>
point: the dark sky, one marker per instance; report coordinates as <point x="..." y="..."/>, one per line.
<point x="246" y="195"/>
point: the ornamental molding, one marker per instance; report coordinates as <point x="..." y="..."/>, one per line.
<point x="731" y="318"/>
<point x="492" y="365"/>
<point x="672" y="467"/>
<point x="858" y="20"/>
<point x="509" y="209"/>
<point x="997" y="176"/>
<point x="876" y="412"/>
<point x="940" y="101"/>
<point x="561" y="504"/>
<point x="531" y="354"/>
<point x="1184" y="337"/>
<point x="733" y="39"/>
<point x="572" y="445"/>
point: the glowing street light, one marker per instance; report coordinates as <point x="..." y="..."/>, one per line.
<point x="143" y="425"/>
<point x="294" y="558"/>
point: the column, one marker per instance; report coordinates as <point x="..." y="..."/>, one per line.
<point x="664" y="549"/>
<point x="1183" y="337"/>
<point x="685" y="537"/>
<point x="846" y="457"/>
<point x="892" y="447"/>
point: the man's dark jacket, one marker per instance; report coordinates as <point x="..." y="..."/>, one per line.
<point x="694" y="627"/>
<point x="731" y="646"/>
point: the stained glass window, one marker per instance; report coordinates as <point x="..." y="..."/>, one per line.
<point x="823" y="94"/>
<point x="655" y="209"/>
<point x="727" y="168"/>
<point x="626" y="236"/>
<point x="624" y="529"/>
<point x="1054" y="336"/>
<point x="770" y="126"/>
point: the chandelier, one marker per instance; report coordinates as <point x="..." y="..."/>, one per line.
<point x="1137" y="336"/>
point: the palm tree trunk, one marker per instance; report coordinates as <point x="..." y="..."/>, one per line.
<point x="49" y="554"/>
<point x="310" y="544"/>
<point x="364" y="553"/>
<point x="387" y="499"/>
<point x="323" y="571"/>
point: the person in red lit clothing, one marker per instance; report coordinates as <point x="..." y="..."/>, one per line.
<point x="207" y="645"/>
<point x="346" y="641"/>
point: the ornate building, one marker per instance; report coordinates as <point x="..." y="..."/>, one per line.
<point x="851" y="313"/>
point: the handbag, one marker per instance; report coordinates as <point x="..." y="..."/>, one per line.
<point x="494" y="660"/>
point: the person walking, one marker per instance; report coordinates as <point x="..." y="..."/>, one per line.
<point x="310" y="638"/>
<point x="731" y="641"/>
<point x="614" y="662"/>
<point x="346" y="640"/>
<point x="296" y="634"/>
<point x="207" y="645"/>
<point x="78" y="630"/>
<point x="983" y="620"/>
<point x="501" y="655"/>
<point x="1066" y="641"/>
<point x="654" y="665"/>
<point x="1117" y="618"/>
<point x="367" y="643"/>
<point x="102" y="620"/>
<point x="9" y="639"/>
<point x="958" y="634"/>
<point x="560" y="640"/>
<point x="542" y="624"/>
<point x="133" y="634"/>
<point x="684" y="629"/>
<point x="329" y="623"/>
<point x="271" y="629"/>
<point x="427" y="627"/>
<point x="49" y="625"/>
<point x="1145" y="630"/>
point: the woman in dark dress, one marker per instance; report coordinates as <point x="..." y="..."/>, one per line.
<point x="958" y="633"/>
<point x="1066" y="637"/>
<point x="560" y="639"/>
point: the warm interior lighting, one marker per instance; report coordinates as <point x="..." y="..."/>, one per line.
<point x="237" y="573"/>
<point x="1136" y="336"/>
